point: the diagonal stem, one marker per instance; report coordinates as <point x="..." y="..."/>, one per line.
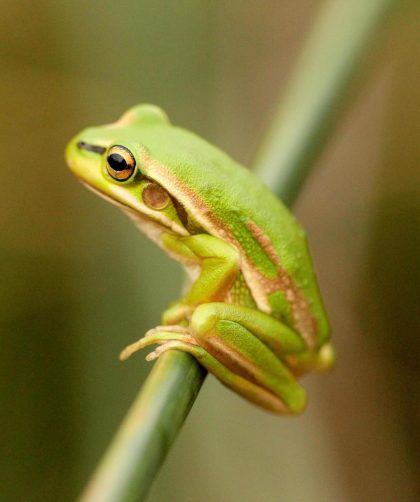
<point x="307" y="115"/>
<point x="132" y="460"/>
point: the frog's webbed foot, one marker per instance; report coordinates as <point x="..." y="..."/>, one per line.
<point x="158" y="335"/>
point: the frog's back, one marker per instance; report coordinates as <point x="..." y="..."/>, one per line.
<point x="231" y="202"/>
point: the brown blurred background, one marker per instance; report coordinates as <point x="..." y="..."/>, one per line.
<point x="77" y="282"/>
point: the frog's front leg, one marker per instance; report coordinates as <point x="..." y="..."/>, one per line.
<point x="219" y="267"/>
<point x="243" y="348"/>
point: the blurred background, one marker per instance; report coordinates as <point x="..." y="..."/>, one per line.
<point x="78" y="282"/>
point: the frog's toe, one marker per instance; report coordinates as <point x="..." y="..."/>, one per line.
<point x="159" y="335"/>
<point x="168" y="329"/>
<point x="183" y="345"/>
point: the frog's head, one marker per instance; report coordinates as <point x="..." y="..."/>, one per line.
<point x="112" y="161"/>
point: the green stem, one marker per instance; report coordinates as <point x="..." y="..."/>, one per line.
<point x="128" y="467"/>
<point x="308" y="112"/>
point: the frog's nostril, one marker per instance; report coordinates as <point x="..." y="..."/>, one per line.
<point x="91" y="148"/>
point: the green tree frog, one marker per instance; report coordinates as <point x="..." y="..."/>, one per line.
<point x="253" y="315"/>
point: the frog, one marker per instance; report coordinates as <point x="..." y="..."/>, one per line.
<point x="252" y="313"/>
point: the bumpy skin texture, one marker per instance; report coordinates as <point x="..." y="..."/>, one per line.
<point x="253" y="315"/>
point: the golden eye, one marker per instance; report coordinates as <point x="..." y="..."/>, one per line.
<point x="120" y="163"/>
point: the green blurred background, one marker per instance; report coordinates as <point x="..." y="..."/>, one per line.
<point x="77" y="282"/>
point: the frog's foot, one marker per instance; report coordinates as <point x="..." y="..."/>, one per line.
<point x="158" y="335"/>
<point x="169" y="329"/>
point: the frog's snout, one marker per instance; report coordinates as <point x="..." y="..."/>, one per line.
<point x="81" y="155"/>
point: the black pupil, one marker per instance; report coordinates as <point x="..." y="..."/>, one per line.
<point x="117" y="162"/>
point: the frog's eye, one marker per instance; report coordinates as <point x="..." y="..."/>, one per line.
<point x="120" y="163"/>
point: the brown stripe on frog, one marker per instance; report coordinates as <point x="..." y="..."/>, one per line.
<point x="303" y="320"/>
<point x="192" y="226"/>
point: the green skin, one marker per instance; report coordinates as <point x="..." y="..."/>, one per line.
<point x="253" y="315"/>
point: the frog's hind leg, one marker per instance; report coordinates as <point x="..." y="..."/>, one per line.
<point x="172" y="338"/>
<point x="252" y="391"/>
<point x="244" y="348"/>
<point x="250" y="344"/>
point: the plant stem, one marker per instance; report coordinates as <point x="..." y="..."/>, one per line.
<point x="147" y="432"/>
<point x="307" y="114"/>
